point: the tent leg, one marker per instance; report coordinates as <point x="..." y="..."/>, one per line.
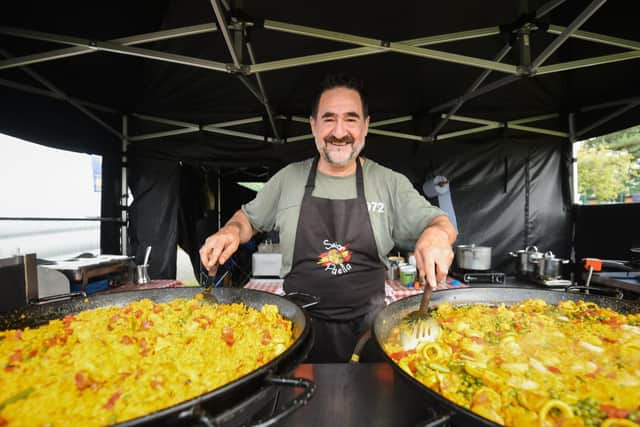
<point x="574" y="158"/>
<point x="219" y="200"/>
<point x="124" y="188"/>
<point x="573" y="184"/>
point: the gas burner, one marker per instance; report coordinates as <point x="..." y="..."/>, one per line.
<point x="483" y="276"/>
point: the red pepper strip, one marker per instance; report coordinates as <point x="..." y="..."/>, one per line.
<point x="553" y="369"/>
<point x="614" y="412"/>
<point x="82" y="380"/>
<point x="227" y="335"/>
<point x="400" y="354"/>
<point x="266" y="337"/>
<point x="112" y="400"/>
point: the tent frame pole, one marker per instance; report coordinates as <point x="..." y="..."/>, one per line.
<point x="219" y="200"/>
<point x="574" y="157"/>
<point x="118" y="48"/>
<point x="125" y="41"/>
<point x="55" y="95"/>
<point x="474" y="86"/>
<point x="588" y="62"/>
<point x="124" y="188"/>
<point x="384" y="45"/>
<point x="564" y="36"/>
<point x="53" y="88"/>
<point x="597" y="38"/>
<point x="236" y="56"/>
<point x="369" y="46"/>
<point x="363" y="51"/>
<point x="607" y="118"/>
<point x="267" y="105"/>
<point x="372" y="46"/>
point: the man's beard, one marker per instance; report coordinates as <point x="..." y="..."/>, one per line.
<point x="330" y="156"/>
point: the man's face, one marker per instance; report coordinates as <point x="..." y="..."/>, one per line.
<point x="340" y="127"/>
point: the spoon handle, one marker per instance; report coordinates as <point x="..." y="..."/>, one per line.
<point x="426" y="297"/>
<point x="146" y="255"/>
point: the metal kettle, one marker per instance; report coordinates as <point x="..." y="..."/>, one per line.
<point x="549" y="267"/>
<point x="526" y="260"/>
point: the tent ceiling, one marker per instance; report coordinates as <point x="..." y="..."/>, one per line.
<point x="241" y="74"/>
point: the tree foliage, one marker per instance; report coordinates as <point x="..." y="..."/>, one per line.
<point x="604" y="174"/>
<point x="609" y="166"/>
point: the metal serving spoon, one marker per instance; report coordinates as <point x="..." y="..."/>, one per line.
<point x="418" y="326"/>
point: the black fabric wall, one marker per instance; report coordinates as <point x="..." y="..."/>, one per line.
<point x="607" y="231"/>
<point x="111" y="188"/>
<point x="507" y="191"/>
<point x="192" y="209"/>
<point x="155" y="185"/>
<point x="233" y="196"/>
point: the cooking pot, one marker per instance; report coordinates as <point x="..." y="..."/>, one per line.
<point x="549" y="267"/>
<point x="451" y="413"/>
<point x="229" y="402"/>
<point x="472" y="257"/>
<point x="526" y="260"/>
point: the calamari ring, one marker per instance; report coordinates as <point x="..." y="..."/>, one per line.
<point x="554" y="404"/>
<point x="432" y="352"/>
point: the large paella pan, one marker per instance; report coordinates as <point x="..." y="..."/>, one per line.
<point x="502" y="359"/>
<point x="204" y="406"/>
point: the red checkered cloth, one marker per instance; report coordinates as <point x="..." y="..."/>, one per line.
<point x="400" y="291"/>
<point x="273" y="286"/>
<point x="393" y="290"/>
<point x="153" y="284"/>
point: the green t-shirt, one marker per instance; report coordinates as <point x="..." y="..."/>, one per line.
<point x="396" y="210"/>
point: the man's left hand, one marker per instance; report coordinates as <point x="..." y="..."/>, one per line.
<point x="433" y="251"/>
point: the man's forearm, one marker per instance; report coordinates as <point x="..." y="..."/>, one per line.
<point x="240" y="221"/>
<point x="443" y="224"/>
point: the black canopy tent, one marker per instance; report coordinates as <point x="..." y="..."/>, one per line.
<point x="490" y="94"/>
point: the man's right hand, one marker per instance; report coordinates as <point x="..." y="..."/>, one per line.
<point x="219" y="247"/>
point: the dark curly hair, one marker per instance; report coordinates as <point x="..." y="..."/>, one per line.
<point x="332" y="81"/>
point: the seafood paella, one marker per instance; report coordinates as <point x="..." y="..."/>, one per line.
<point x="115" y="363"/>
<point x="532" y="363"/>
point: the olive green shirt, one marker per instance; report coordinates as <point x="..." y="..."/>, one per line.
<point x="396" y="210"/>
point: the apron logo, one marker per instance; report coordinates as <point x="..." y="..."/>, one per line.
<point x="336" y="258"/>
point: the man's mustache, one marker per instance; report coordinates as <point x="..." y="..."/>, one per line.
<point x="347" y="139"/>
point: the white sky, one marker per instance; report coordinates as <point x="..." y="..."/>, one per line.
<point x="37" y="181"/>
<point x="46" y="182"/>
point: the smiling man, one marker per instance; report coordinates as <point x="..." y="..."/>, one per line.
<point x="338" y="216"/>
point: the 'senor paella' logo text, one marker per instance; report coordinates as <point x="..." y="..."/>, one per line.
<point x="336" y="258"/>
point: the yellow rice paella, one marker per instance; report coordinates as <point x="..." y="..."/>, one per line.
<point x="533" y="364"/>
<point x="111" y="364"/>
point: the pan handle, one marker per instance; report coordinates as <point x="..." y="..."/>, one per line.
<point x="436" y="421"/>
<point x="302" y="399"/>
<point x="302" y="299"/>
<point x="53" y="298"/>
<point x="618" y="293"/>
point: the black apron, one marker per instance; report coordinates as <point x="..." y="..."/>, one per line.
<point x="336" y="259"/>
